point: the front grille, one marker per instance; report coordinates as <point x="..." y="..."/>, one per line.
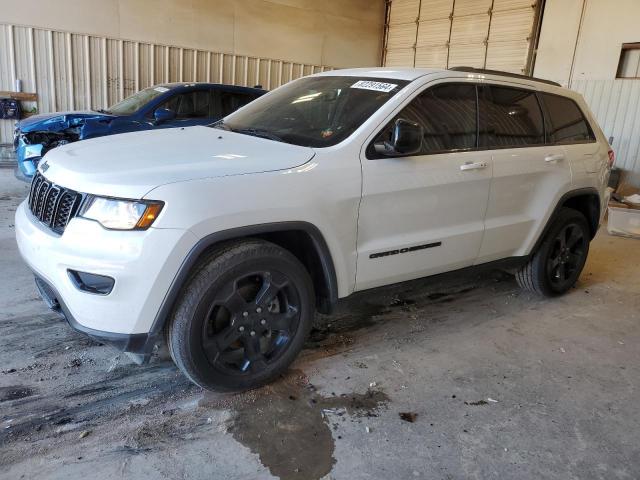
<point x="52" y="204"/>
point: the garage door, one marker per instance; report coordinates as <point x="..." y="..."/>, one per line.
<point x="494" y="34"/>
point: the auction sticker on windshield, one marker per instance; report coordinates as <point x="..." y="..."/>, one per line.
<point x="376" y="86"/>
<point x="161" y="89"/>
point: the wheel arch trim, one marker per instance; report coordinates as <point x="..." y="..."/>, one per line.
<point x="238" y="233"/>
<point x="579" y="192"/>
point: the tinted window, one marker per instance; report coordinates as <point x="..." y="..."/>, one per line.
<point x="509" y="117"/>
<point x="565" y="124"/>
<point x="447" y="113"/>
<point x="232" y="101"/>
<point x="313" y="111"/>
<point x="190" y="105"/>
<point x="135" y="102"/>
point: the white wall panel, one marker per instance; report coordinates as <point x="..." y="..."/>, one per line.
<point x="616" y="106"/>
<point x="71" y="71"/>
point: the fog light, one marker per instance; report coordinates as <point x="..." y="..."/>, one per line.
<point x="91" y="283"/>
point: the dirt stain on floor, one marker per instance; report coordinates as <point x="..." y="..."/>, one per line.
<point x="287" y="424"/>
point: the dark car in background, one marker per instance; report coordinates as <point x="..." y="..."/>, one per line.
<point x="161" y="106"/>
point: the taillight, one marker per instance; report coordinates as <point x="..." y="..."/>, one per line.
<point x="612" y="158"/>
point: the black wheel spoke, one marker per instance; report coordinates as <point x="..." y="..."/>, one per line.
<point x="235" y="303"/>
<point x="281" y="321"/>
<point x="253" y="354"/>
<point x="574" y="238"/>
<point x="221" y="341"/>
<point x="561" y="272"/>
<point x="273" y="283"/>
<point x="554" y="262"/>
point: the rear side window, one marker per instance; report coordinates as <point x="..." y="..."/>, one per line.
<point x="566" y="123"/>
<point x="447" y="113"/>
<point x="509" y="117"/>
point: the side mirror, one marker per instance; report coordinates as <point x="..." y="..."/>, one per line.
<point x="406" y="139"/>
<point x="163" y="115"/>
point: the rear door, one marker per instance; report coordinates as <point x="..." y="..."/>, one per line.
<point x="529" y="173"/>
<point x="424" y="214"/>
<point x="568" y="127"/>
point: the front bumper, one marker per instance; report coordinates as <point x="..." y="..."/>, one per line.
<point x="143" y="264"/>
<point x="140" y="345"/>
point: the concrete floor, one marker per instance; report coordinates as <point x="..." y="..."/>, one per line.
<point x="503" y="384"/>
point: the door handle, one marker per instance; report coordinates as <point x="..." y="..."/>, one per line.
<point x="473" y="166"/>
<point x="556" y="157"/>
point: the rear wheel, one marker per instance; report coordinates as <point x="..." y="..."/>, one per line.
<point x="557" y="264"/>
<point x="242" y="318"/>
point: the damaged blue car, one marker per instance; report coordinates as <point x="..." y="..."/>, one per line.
<point x="162" y="106"/>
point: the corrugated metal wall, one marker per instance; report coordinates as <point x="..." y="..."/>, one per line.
<point x="616" y="106"/>
<point x="71" y="71"/>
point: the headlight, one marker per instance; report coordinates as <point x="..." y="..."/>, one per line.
<point x="117" y="214"/>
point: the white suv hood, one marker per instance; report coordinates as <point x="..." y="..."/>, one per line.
<point x="131" y="164"/>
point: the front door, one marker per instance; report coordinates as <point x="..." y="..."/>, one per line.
<point x="424" y="214"/>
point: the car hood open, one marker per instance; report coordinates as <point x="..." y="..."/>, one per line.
<point x="131" y="164"/>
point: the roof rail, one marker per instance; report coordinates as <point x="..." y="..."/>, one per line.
<point x="504" y="74"/>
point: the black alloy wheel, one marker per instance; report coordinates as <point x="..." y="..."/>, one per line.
<point x="243" y="316"/>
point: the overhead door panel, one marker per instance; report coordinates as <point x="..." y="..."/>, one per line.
<point x="495" y="34"/>
<point x="510" y="36"/>
<point x="401" y="33"/>
<point x="434" y="29"/>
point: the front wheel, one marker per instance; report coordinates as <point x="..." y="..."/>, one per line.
<point x="243" y="317"/>
<point x="557" y="264"/>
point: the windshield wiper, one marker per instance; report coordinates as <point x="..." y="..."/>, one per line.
<point x="102" y="110"/>
<point x="258" y="132"/>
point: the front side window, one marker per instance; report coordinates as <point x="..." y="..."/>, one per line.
<point x="313" y="111"/>
<point x="509" y="117"/>
<point x="190" y="105"/>
<point x="566" y="123"/>
<point x="447" y="115"/>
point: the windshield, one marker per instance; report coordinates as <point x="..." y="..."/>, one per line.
<point x="313" y="111"/>
<point x="135" y="102"/>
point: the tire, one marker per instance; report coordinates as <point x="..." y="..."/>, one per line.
<point x="556" y="265"/>
<point x="242" y="317"/>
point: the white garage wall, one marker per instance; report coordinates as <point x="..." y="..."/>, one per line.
<point x="579" y="47"/>
<point x="108" y="49"/>
<point x="71" y="71"/>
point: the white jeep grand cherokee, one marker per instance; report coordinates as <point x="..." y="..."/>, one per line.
<point x="228" y="238"/>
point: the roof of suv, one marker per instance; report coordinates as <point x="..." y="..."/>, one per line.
<point x="398" y="73"/>
<point x="410" y="74"/>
